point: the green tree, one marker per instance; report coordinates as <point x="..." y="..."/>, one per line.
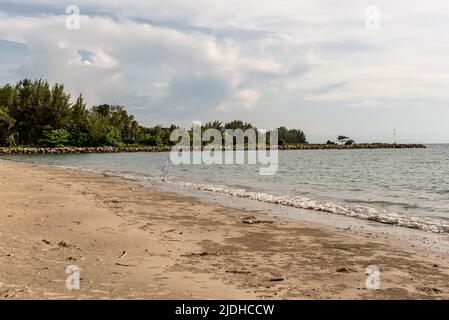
<point x="238" y="124"/>
<point x="6" y="126"/>
<point x="32" y="112"/>
<point x="292" y="136"/>
<point x="56" y="138"/>
<point x="342" y="139"/>
<point x="151" y="140"/>
<point x="78" y="124"/>
<point x="110" y="136"/>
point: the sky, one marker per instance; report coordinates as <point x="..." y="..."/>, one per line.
<point x="328" y="67"/>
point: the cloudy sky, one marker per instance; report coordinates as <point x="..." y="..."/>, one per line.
<point x="329" y="67"/>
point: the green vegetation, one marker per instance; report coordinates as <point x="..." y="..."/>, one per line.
<point x="292" y="136"/>
<point x="344" y="140"/>
<point x="33" y="113"/>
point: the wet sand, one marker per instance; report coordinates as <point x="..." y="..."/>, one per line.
<point x="137" y="242"/>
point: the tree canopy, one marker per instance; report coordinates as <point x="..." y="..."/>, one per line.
<point x="345" y="140"/>
<point x="34" y="113"/>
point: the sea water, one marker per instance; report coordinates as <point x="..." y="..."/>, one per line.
<point x="404" y="187"/>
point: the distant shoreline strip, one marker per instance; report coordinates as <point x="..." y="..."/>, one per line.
<point x="75" y="150"/>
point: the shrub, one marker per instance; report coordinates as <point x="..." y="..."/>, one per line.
<point x="55" y="138"/>
<point x="151" y="140"/>
<point x="110" y="136"/>
<point x="349" y="142"/>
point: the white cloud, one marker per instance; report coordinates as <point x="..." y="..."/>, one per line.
<point x="178" y="59"/>
<point x="195" y="68"/>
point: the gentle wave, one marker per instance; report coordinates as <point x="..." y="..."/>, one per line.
<point x="355" y="211"/>
<point x="360" y="212"/>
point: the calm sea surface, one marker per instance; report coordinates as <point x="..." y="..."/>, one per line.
<point x="408" y="187"/>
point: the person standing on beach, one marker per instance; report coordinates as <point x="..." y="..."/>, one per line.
<point x="165" y="167"/>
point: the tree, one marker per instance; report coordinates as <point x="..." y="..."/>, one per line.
<point x="237" y="124"/>
<point x="292" y="136"/>
<point x="6" y="125"/>
<point x="59" y="107"/>
<point x="79" y="114"/>
<point x="342" y="139"/>
<point x="129" y="128"/>
<point x="151" y="140"/>
<point x="35" y="108"/>
<point x="214" y="125"/>
<point x="56" y="138"/>
<point x="103" y="110"/>
<point x="78" y="124"/>
<point x="34" y="113"/>
<point x="30" y="110"/>
<point x="110" y="136"/>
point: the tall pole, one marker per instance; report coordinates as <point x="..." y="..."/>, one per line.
<point x="395" y="136"/>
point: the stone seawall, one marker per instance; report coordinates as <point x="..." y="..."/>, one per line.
<point x="354" y="146"/>
<point x="74" y="150"/>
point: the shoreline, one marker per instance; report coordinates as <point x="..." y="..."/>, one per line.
<point x="421" y="224"/>
<point x="179" y="247"/>
<point x="425" y="241"/>
<point x="81" y="150"/>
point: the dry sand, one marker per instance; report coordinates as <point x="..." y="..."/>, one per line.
<point x="136" y="242"/>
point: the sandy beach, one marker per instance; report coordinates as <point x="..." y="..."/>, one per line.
<point x="136" y="242"/>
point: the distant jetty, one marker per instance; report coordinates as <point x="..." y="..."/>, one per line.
<point x="352" y="146"/>
<point x="75" y="150"/>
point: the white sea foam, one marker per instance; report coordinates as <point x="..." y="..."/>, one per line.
<point x="356" y="211"/>
<point x="361" y="212"/>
